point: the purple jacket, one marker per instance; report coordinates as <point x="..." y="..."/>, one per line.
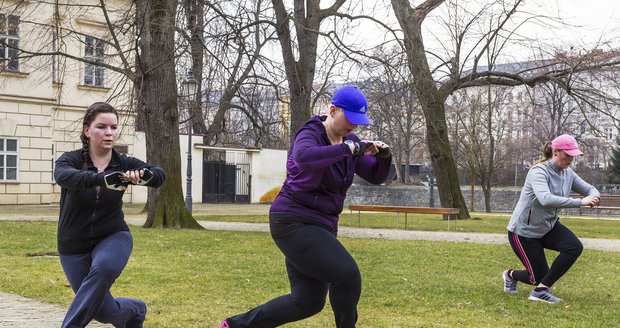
<point x="319" y="175"/>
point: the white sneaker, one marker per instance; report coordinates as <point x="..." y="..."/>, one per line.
<point x="510" y="285"/>
<point x="543" y="296"/>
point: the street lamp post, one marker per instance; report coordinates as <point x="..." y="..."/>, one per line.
<point x="188" y="88"/>
<point x="431" y="184"/>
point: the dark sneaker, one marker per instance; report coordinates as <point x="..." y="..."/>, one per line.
<point x="543" y="296"/>
<point x="510" y="285"/>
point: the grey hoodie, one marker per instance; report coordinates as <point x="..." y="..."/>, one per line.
<point x="544" y="193"/>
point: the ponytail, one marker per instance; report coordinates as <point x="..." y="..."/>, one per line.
<point x="547" y="153"/>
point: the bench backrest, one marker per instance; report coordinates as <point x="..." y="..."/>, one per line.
<point x="606" y="200"/>
<point x="405" y="209"/>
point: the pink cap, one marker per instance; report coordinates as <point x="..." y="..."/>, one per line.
<point x="568" y="144"/>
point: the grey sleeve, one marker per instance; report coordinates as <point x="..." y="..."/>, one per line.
<point x="582" y="187"/>
<point x="544" y="195"/>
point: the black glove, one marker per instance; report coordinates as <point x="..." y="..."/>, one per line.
<point x="115" y="181"/>
<point x="361" y="147"/>
<point x="147" y="175"/>
<point x="383" y="152"/>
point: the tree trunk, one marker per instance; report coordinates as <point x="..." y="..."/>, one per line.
<point x="432" y="102"/>
<point x="397" y="171"/>
<point x="301" y="93"/>
<point x="299" y="73"/>
<point x="158" y="103"/>
<point x="490" y="167"/>
<point x="194" y="9"/>
<point x="442" y="159"/>
<point x="486" y="189"/>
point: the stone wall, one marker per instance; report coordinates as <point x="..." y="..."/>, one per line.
<point x="503" y="200"/>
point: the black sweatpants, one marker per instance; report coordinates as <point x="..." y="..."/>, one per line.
<point x="316" y="262"/>
<point x="531" y="252"/>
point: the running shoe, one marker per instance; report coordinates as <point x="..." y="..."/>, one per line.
<point x="510" y="285"/>
<point x="543" y="296"/>
<point x="224" y="324"/>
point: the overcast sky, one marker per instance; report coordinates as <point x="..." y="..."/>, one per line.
<point x="585" y="23"/>
<point x="592" y="20"/>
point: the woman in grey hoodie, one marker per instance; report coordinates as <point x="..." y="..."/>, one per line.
<point x="535" y="226"/>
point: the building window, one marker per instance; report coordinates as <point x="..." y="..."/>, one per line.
<point x="9" y="42"/>
<point x="609" y="133"/>
<point x="93" y="53"/>
<point x="9" y="158"/>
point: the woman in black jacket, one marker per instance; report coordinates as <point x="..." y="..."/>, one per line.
<point x="94" y="241"/>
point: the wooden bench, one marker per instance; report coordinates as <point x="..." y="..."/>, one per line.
<point x="447" y="212"/>
<point x="607" y="202"/>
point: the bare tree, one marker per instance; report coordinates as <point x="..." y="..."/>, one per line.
<point x="298" y="35"/>
<point x="480" y="129"/>
<point x="396" y="115"/>
<point x="554" y="106"/>
<point x="157" y="101"/>
<point x="254" y="121"/>
<point x="231" y="60"/>
<point x="500" y="29"/>
<point x="194" y="14"/>
<point x="146" y="61"/>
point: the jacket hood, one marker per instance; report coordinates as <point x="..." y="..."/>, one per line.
<point x="315" y="123"/>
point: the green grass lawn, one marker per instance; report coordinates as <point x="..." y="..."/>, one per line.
<point x="196" y="278"/>
<point x="480" y="222"/>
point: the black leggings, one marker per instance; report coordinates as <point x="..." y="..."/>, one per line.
<point x="316" y="263"/>
<point x="531" y="252"/>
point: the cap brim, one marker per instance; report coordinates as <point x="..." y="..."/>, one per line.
<point x="357" y="118"/>
<point x="573" y="152"/>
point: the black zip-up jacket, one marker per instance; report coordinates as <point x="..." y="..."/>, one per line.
<point x="89" y="212"/>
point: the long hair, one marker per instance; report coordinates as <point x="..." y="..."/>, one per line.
<point x="547" y="153"/>
<point x="90" y="115"/>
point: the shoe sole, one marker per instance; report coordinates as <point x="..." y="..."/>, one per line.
<point x="536" y="299"/>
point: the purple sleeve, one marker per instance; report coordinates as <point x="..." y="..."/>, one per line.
<point x="310" y="154"/>
<point x="372" y="169"/>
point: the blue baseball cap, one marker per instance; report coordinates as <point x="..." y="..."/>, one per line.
<point x="353" y="102"/>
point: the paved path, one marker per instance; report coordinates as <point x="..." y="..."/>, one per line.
<point x="19" y="312"/>
<point x="612" y="245"/>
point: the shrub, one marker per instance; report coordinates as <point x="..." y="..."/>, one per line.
<point x="269" y="196"/>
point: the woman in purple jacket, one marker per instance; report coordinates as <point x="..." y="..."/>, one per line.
<point x="303" y="218"/>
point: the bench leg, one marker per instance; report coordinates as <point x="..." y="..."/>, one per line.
<point x="351" y="218"/>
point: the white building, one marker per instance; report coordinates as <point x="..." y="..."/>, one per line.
<point x="43" y="99"/>
<point x="528" y="116"/>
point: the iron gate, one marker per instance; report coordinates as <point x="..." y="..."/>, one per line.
<point x="225" y="183"/>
